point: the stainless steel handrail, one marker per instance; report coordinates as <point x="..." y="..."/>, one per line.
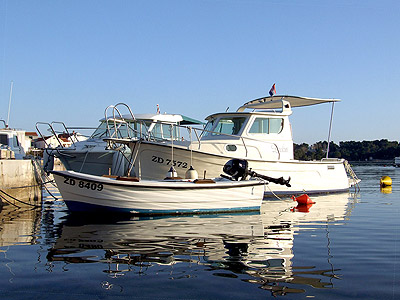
<point x="52" y="130"/>
<point x="66" y="129"/>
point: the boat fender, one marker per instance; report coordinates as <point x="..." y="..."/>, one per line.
<point x="191" y="173"/>
<point x="172" y="173"/>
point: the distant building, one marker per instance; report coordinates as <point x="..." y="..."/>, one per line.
<point x="62" y="140"/>
<point x="30" y="137"/>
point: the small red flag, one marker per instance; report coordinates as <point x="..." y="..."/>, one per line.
<point x="272" y="91"/>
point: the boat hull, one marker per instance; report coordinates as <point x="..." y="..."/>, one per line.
<point x="324" y="176"/>
<point x="89" y="193"/>
<point x="93" y="161"/>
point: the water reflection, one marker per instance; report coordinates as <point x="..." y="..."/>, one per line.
<point x="20" y="215"/>
<point x="386" y="189"/>
<point x="19" y="225"/>
<point x="258" y="246"/>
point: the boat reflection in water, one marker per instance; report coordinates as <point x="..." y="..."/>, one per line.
<point x="255" y="246"/>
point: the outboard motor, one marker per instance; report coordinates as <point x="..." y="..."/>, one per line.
<point x="237" y="169"/>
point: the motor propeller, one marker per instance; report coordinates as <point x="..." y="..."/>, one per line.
<point x="238" y="169"/>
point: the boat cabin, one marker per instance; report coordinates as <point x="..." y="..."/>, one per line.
<point x="259" y="129"/>
<point x="258" y="134"/>
<point x="153" y="126"/>
<point x="12" y="139"/>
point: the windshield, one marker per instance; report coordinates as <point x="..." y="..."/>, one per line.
<point x="135" y="128"/>
<point x="226" y="125"/>
<point x="130" y="129"/>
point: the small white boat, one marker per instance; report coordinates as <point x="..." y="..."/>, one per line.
<point x="91" y="193"/>
<point x="92" y="156"/>
<point x="13" y="140"/>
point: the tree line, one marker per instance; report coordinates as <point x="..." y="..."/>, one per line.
<point x="350" y="150"/>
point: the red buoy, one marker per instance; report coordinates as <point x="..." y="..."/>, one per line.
<point x="303" y="199"/>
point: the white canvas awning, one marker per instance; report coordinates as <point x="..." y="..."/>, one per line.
<point x="275" y="102"/>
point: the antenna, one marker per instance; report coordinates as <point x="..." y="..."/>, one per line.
<point x="9" y="104"/>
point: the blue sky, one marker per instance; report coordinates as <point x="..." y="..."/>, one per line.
<point x="69" y="60"/>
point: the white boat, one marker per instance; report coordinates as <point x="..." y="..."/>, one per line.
<point x="262" y="136"/>
<point x="12" y="140"/>
<point x="263" y="242"/>
<point x="90" y="193"/>
<point x="92" y="156"/>
<point x="397" y="161"/>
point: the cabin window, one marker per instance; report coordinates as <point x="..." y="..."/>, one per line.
<point x="156" y="131"/>
<point x="208" y="128"/>
<point x="163" y="131"/>
<point x="266" y="125"/>
<point x="166" y="130"/>
<point x="231" y="147"/>
<point x="134" y="128"/>
<point x="15" y="142"/>
<point x="102" y="130"/>
<point x="229" y="125"/>
<point x="3" y="139"/>
<point x="275" y="125"/>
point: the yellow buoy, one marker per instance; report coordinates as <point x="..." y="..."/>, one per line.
<point x="386" y="181"/>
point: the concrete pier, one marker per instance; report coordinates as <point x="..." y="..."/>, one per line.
<point x="19" y="179"/>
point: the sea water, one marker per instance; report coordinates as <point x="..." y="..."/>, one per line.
<point x="345" y="246"/>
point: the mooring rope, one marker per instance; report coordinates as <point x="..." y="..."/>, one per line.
<point x="4" y="199"/>
<point x="42" y="180"/>
<point x="273" y="192"/>
<point x="15" y="199"/>
<point x="40" y="173"/>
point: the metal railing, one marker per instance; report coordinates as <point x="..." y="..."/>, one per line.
<point x="118" y="121"/>
<point x="352" y="174"/>
<point x="200" y="134"/>
<point x="121" y="124"/>
<point x="53" y="132"/>
<point x="56" y="134"/>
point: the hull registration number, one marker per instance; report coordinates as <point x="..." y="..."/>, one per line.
<point x="169" y="162"/>
<point x="84" y="185"/>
